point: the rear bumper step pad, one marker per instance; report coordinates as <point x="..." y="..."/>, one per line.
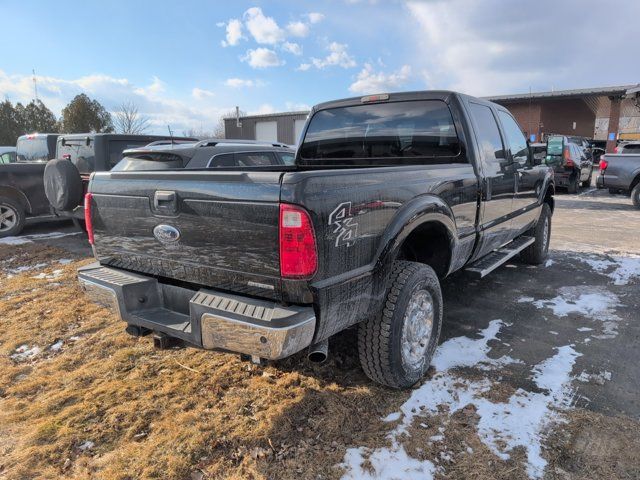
<point x="206" y="318"/>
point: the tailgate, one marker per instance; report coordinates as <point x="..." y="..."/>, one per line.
<point x="217" y="229"/>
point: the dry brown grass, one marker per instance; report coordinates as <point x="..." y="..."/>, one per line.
<point x="184" y="412"/>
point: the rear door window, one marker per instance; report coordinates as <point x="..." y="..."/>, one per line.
<point x="555" y="146"/>
<point x="411" y="132"/>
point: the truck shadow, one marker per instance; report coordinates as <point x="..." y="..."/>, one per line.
<point x="594" y="204"/>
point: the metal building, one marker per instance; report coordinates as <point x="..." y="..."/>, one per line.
<point x="284" y="127"/>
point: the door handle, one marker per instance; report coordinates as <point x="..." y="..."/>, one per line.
<point x="162" y="198"/>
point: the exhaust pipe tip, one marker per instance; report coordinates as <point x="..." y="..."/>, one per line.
<point x="319" y="352"/>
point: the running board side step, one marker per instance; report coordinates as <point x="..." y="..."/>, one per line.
<point x="487" y="264"/>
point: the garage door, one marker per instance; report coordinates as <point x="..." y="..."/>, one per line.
<point x="298" y="125"/>
<point x="267" y="131"/>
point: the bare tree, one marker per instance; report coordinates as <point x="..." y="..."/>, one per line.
<point x="128" y="120"/>
<point x="219" y="129"/>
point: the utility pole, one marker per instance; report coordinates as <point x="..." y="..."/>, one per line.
<point x="35" y="84"/>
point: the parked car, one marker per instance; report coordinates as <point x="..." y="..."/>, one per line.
<point x="21" y="188"/>
<point x="621" y="173"/>
<point x="77" y="157"/>
<point x="571" y="163"/>
<point x="388" y="194"/>
<point x="628" y="147"/>
<point x="7" y="155"/>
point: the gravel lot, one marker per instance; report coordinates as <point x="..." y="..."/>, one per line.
<point x="536" y="377"/>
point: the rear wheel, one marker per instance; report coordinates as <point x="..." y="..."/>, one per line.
<point x="397" y="344"/>
<point x="635" y="196"/>
<point x="12" y="217"/>
<point x="587" y="182"/>
<point x="537" y="252"/>
<point x="574" y="184"/>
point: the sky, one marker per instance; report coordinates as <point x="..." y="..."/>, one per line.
<point x="187" y="63"/>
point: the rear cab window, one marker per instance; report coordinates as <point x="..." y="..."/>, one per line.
<point x="555" y="145"/>
<point x="31" y="148"/>
<point x="381" y="134"/>
<point x="149" y="161"/>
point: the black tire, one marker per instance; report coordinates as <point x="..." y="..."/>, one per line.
<point x="587" y="182"/>
<point x="62" y="184"/>
<point x="635" y="195"/>
<point x="12" y="217"/>
<point x="574" y="186"/>
<point x="380" y="338"/>
<point x="537" y="252"/>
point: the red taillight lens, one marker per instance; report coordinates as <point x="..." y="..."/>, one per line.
<point x="298" y="256"/>
<point x="567" y="158"/>
<point x="603" y="164"/>
<point x="88" y="198"/>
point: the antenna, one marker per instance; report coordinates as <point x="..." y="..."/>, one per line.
<point x="170" y="134"/>
<point x="35" y="84"/>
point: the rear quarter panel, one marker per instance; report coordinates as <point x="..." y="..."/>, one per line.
<point x="358" y="216"/>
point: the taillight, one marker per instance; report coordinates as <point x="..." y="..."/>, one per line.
<point x="603" y="164"/>
<point x="87" y="216"/>
<point x="298" y="256"/>
<point x="567" y="158"/>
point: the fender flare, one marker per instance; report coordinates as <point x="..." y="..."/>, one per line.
<point x="415" y="213"/>
<point x="547" y="184"/>
<point x="9" y="191"/>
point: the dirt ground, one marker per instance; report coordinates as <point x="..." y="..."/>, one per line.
<point x="81" y="399"/>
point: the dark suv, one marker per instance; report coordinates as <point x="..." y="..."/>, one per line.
<point x="217" y="154"/>
<point x="571" y="161"/>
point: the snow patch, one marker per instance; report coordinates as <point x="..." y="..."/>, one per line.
<point x="548" y="263"/>
<point x="24" y="352"/>
<point x="621" y="269"/>
<point x="387" y="464"/>
<point x="468" y="352"/>
<point x="49" y="276"/>
<point x="588" y="301"/>
<point x="56" y="347"/>
<point x="38" y="236"/>
<point x="600" y="378"/>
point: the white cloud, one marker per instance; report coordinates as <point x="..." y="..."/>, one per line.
<point x="243" y="83"/>
<point x="152" y="102"/>
<point x="370" y="81"/>
<point x="291" y="47"/>
<point x="315" y="17"/>
<point x="303" y="67"/>
<point x="262" y="58"/>
<point x="263" y="109"/>
<point x="298" y="29"/>
<point x="297" y="107"/>
<point x="338" y="55"/>
<point x="234" y="33"/>
<point x="263" y="29"/>
<point x="201" y="94"/>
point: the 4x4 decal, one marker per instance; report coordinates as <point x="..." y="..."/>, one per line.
<point x="344" y="225"/>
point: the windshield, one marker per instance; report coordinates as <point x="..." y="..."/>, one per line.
<point x="407" y="132"/>
<point x="554" y="146"/>
<point x="33" y="149"/>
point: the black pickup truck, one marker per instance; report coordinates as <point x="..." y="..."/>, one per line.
<point x="22" y="195"/>
<point x="388" y="194"/>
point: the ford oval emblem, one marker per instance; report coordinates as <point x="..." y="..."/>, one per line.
<point x="166" y="233"/>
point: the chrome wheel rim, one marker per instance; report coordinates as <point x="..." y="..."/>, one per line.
<point x="8" y="218"/>
<point x="417" y="328"/>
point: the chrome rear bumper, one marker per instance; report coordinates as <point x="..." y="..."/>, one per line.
<point x="206" y="318"/>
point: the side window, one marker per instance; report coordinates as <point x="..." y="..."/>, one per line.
<point x="255" y="159"/>
<point x="487" y="132"/>
<point x="287" y="158"/>
<point x="515" y="138"/>
<point x="4" y="158"/>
